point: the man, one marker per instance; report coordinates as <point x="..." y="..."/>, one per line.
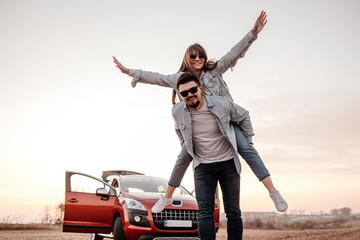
<point x="203" y="126"/>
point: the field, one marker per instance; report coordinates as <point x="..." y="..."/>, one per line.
<point x="349" y="231"/>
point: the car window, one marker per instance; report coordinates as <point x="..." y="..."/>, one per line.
<point x="135" y="184"/>
<point x="134" y="190"/>
<point x="84" y="184"/>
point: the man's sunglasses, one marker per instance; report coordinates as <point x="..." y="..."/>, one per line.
<point x="193" y="56"/>
<point x="186" y="92"/>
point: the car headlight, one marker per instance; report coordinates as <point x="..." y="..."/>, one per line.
<point x="133" y="204"/>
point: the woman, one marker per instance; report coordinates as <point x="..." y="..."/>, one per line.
<point x="210" y="73"/>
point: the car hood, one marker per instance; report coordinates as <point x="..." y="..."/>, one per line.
<point x="156" y="196"/>
<point x="180" y="201"/>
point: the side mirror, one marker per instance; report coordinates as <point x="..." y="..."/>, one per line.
<point x="102" y="192"/>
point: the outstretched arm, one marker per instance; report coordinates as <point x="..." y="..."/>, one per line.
<point x="148" y="77"/>
<point x="260" y="23"/>
<point x="239" y="50"/>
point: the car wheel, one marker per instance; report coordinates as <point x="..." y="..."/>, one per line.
<point x="118" y="230"/>
<point x="96" y="237"/>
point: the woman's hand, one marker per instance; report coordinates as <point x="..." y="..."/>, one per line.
<point x="260" y="23"/>
<point x="121" y="67"/>
<point x="255" y="149"/>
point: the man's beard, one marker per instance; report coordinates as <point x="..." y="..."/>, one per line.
<point x="195" y="104"/>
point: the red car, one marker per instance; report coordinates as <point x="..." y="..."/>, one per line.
<point x="119" y="207"/>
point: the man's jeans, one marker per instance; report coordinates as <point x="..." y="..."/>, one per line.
<point x="206" y="178"/>
<point x="248" y="153"/>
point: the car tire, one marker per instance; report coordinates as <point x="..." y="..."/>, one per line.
<point x="118" y="230"/>
<point x="96" y="237"/>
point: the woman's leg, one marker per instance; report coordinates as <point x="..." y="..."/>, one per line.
<point x="169" y="191"/>
<point x="268" y="184"/>
<point x="250" y="155"/>
<point x="181" y="165"/>
<point x="252" y="158"/>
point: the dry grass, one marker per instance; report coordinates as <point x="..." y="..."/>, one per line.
<point x="275" y="221"/>
<point x="32" y="226"/>
<point x="349" y="230"/>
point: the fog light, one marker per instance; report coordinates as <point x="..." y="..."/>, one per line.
<point x="137" y="218"/>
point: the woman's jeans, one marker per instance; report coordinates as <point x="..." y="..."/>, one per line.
<point x="245" y="150"/>
<point x="206" y="178"/>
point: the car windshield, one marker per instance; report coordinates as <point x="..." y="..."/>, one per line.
<point x="132" y="184"/>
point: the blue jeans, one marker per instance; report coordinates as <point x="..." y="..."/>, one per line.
<point x="206" y="178"/>
<point x="248" y="153"/>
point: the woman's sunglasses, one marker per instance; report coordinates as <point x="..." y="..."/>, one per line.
<point x="193" y="56"/>
<point x="186" y="92"/>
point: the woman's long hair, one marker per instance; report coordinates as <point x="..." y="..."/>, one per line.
<point x="186" y="65"/>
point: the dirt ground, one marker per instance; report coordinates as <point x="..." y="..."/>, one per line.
<point x="351" y="231"/>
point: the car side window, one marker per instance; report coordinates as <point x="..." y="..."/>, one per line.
<point x="83" y="184"/>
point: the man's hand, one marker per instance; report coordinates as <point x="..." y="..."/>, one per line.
<point x="121" y="67"/>
<point x="260" y="23"/>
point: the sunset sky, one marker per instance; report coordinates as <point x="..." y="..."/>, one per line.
<point x="64" y="105"/>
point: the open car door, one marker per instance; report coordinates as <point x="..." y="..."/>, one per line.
<point x="89" y="204"/>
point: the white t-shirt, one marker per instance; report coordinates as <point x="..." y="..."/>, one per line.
<point x="210" y="145"/>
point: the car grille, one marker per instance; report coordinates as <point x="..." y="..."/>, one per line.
<point x="171" y="214"/>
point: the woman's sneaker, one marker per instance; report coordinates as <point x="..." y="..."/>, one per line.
<point x="279" y="201"/>
<point x="161" y="204"/>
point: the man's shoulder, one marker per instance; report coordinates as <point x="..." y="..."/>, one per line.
<point x="178" y="107"/>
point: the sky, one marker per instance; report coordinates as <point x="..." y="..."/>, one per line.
<point x="65" y="106"/>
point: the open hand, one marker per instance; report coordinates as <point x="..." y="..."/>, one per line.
<point x="120" y="66"/>
<point x="260" y="23"/>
